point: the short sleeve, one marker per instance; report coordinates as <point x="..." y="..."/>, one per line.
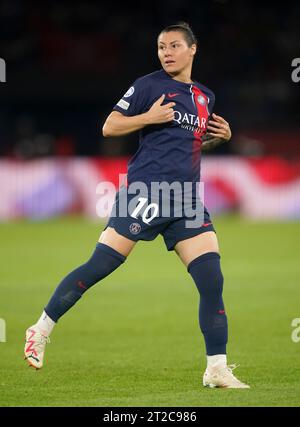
<point x="134" y="101"/>
<point x="211" y="103"/>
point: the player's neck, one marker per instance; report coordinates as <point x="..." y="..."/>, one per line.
<point x="183" y="77"/>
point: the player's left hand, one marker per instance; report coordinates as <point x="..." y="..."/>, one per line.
<point x="219" y="128"/>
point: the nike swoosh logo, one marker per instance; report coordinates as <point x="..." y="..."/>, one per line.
<point x="206" y="225"/>
<point x="171" y="95"/>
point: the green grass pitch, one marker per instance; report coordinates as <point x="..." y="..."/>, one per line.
<point x="134" y="339"/>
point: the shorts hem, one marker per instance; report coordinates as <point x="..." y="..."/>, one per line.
<point x="122" y="233"/>
<point x="180" y="239"/>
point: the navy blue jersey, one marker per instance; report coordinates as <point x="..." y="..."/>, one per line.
<point x="169" y="151"/>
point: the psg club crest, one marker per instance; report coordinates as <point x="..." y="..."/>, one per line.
<point x="135" y="228"/>
<point x="201" y="100"/>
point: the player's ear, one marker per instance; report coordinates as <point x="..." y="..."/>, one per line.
<point x="193" y="49"/>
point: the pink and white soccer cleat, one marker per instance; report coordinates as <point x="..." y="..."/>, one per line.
<point x="35" y="347"/>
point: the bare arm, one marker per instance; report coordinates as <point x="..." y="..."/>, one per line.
<point x="118" y="124"/>
<point x="211" y="142"/>
<point x="219" y="132"/>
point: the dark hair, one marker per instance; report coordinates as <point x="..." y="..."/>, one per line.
<point x="184" y="28"/>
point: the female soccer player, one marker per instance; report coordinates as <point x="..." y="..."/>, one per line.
<point x="174" y="115"/>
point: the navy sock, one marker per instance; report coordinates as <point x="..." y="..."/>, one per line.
<point x="206" y="272"/>
<point x="103" y="261"/>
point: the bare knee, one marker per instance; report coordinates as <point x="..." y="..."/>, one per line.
<point x="112" y="238"/>
<point x="192" y="248"/>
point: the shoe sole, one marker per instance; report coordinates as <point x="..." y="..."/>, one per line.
<point x="210" y="385"/>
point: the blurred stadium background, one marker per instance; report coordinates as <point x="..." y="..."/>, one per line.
<point x="67" y="64"/>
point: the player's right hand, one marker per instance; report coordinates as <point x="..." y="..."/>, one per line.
<point x="159" y="113"/>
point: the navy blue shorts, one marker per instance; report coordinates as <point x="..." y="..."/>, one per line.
<point x="172" y="228"/>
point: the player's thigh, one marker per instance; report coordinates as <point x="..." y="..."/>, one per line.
<point x="119" y="243"/>
<point x="192" y="248"/>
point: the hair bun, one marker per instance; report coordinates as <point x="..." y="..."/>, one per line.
<point x="184" y="24"/>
